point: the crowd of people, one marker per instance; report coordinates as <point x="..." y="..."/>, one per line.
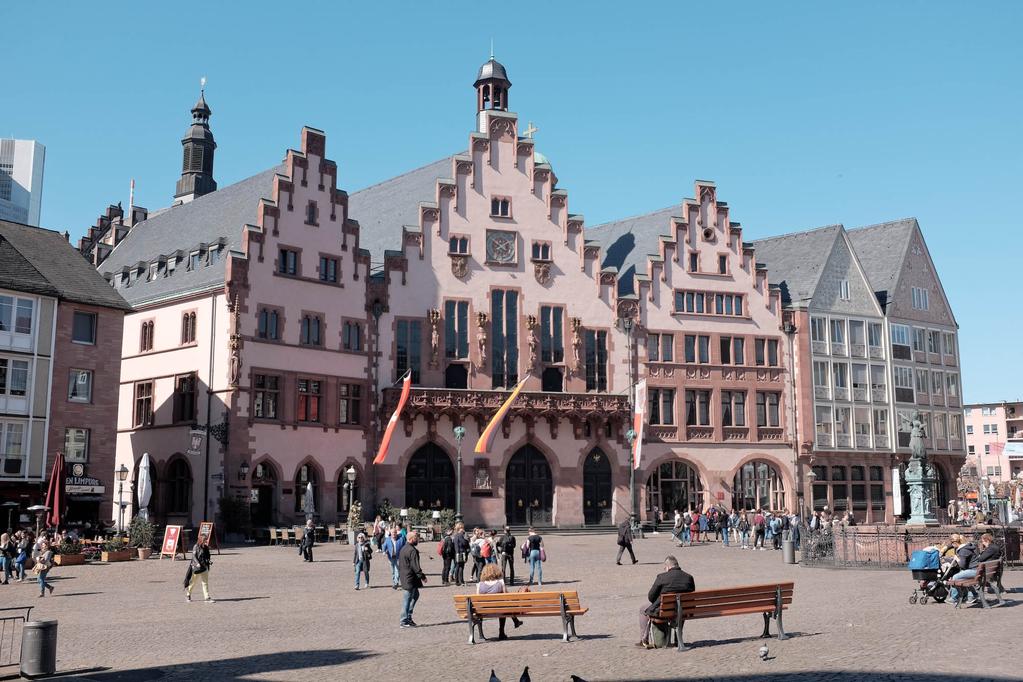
<point x="22" y="551"/>
<point x="746" y="529"/>
<point x="960" y="557"/>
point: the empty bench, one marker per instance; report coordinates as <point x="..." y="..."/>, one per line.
<point x="475" y="608"/>
<point x="769" y="599"/>
<point x="989" y="574"/>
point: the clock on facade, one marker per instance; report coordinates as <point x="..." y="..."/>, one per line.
<point x="501" y="246"/>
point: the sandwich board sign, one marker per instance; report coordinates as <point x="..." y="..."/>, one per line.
<point x="171" y="540"/>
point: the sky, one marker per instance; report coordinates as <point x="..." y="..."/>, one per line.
<point x="803" y="114"/>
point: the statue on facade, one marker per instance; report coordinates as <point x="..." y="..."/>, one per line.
<point x="531" y="325"/>
<point x="577" y="343"/>
<point x="481" y="338"/>
<point x="434" y="318"/>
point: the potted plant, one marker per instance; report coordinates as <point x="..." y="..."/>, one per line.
<point x="114" y="550"/>
<point x="354" y="522"/>
<point x="142" y="534"/>
<point x="68" y="553"/>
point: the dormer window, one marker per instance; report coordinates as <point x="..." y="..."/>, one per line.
<point x="458" y="245"/>
<point x="311" y="213"/>
<point x="171" y="264"/>
<point x="215" y="254"/>
<point x="195" y="260"/>
<point x="153" y="268"/>
<point x="541" y="251"/>
<point x="500" y="207"/>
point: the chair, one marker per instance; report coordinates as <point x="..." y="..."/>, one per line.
<point x="299" y="534"/>
<point x="285" y="534"/>
<point x="273" y="536"/>
<point x="332" y="533"/>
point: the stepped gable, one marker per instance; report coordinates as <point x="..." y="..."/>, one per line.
<point x="218" y="217"/>
<point x="627" y="244"/>
<point x="42" y="261"/>
<point x="882" y="250"/>
<point x="796" y="261"/>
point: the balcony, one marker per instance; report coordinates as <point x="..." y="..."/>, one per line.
<point x="736" y="433"/>
<point x="769" y="433"/>
<point x="876" y="352"/>
<point x="841" y="393"/>
<point x="821" y="393"/>
<point x="843" y="440"/>
<point x="879" y="395"/>
<point x="662" y="433"/>
<point x="880" y="440"/>
<point x="824" y="440"/>
<point x="862" y="440"/>
<point x="819" y="347"/>
<point x="861" y="395"/>
<point x="858" y="350"/>
<point x="837" y="348"/>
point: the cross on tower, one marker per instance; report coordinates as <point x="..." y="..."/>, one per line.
<point x="530" y="130"/>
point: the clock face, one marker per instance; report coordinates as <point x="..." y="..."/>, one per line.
<point x="501" y="246"/>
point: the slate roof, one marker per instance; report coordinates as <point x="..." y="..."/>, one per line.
<point x="211" y="218"/>
<point x="628" y="242"/>
<point x="40" y="261"/>
<point x="796" y="261"/>
<point x="882" y="249"/>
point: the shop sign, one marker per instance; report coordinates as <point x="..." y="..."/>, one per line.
<point x="80" y="484"/>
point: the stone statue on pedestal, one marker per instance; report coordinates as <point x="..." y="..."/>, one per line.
<point x="920" y="477"/>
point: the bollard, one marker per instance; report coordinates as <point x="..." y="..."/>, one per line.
<point x="788" y="550"/>
<point x="39" y="648"/>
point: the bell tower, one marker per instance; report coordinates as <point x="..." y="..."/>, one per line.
<point x="197" y="156"/>
<point x="492" y="87"/>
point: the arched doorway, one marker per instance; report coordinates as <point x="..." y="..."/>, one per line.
<point x="263" y="505"/>
<point x="529" y="489"/>
<point x="430" y="479"/>
<point x="674" y="485"/>
<point x="596" y="489"/>
<point x="757" y="485"/>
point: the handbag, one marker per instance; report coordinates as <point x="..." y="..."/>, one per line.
<point x="459" y="557"/>
<point x="543" y="554"/>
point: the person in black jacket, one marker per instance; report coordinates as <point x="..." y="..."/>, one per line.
<point x="199" y="570"/>
<point x="447" y="553"/>
<point x="412" y="578"/>
<point x="461" y="544"/>
<point x="625" y="540"/>
<point x="308" y="538"/>
<point x="673" y="580"/>
<point x="506" y="545"/>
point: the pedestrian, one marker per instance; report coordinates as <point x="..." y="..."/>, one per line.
<point x="44" y="562"/>
<point x="361" y="558"/>
<point x="676" y="529"/>
<point x="743" y="526"/>
<point x="704" y="525"/>
<point x="492" y="582"/>
<point x="656" y="518"/>
<point x="412" y="578"/>
<point x="506" y="548"/>
<point x="24" y="544"/>
<point x="776" y="528"/>
<point x="462" y="548"/>
<point x="476" y="550"/>
<point x="392" y="548"/>
<point x="379" y="533"/>
<point x="625" y="539"/>
<point x="199" y="569"/>
<point x="759" y="530"/>
<point x="733" y="526"/>
<point x="694" y="527"/>
<point x="687" y="522"/>
<point x="536" y="554"/>
<point x="723" y="526"/>
<point x="305" y="548"/>
<point x="7" y="553"/>
<point x="489" y="548"/>
<point x="672" y="581"/>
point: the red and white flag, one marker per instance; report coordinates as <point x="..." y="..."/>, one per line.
<point x="638" y="414"/>
<point x="385" y="442"/>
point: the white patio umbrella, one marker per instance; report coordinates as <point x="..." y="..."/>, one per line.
<point x="310" y="503"/>
<point x="145" y="487"/>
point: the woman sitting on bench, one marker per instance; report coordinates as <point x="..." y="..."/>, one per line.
<point x="492" y="582"/>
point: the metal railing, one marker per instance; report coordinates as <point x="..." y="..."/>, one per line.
<point x="12" y="624"/>
<point x="885" y="547"/>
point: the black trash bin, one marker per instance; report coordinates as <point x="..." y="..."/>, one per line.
<point x="39" y="649"/>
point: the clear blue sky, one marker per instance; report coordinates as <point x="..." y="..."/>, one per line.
<point x="804" y="114"/>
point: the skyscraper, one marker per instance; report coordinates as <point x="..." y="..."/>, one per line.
<point x="21" y="180"/>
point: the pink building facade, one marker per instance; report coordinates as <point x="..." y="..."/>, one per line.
<point x="994" y="440"/>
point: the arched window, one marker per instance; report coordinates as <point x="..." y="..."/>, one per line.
<point x="674" y="485"/>
<point x="757" y="485"/>
<point x="306" y="475"/>
<point x="179" y="487"/>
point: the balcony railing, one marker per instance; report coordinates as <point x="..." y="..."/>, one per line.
<point x="824" y="440"/>
<point x="862" y="440"/>
<point x="769" y="433"/>
<point x="841" y="393"/>
<point x="878" y="394"/>
<point x="736" y="433"/>
<point x="837" y="348"/>
<point x="858" y="350"/>
<point x="819" y="347"/>
<point x="843" y="440"/>
<point x="700" y="433"/>
<point x="860" y="394"/>
<point x="880" y="441"/>
<point x="821" y="392"/>
<point x="876" y="352"/>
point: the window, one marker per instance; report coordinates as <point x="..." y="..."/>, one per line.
<point x="738" y="350"/>
<point x="500" y="207"/>
<point x="83" y="327"/>
<point x="727" y="304"/>
<point x="267" y="327"/>
<point x="856" y="334"/>
<point x="767" y="409"/>
<point x="458" y="245"/>
<point x="328" y="269"/>
<point x="187" y="328"/>
<point x="694" y="261"/>
<point x="820" y="374"/>
<point x="819" y="329"/>
<point x="920" y="301"/>
<point x="306" y="475"/>
<point x="76" y="445"/>
<point x="987" y="411"/>
<point x="309" y="398"/>
<point x="690" y="348"/>
<point x="698" y="408"/>
<point x="994" y="429"/>
<point x="146" y="336"/>
<point x="13" y="377"/>
<point x="409" y="348"/>
<point x="880" y="424"/>
<point x="144" y="403"/>
<point x="861" y="422"/>
<point x="541" y="251"/>
<point x="595" y="342"/>
<point x="877" y="381"/>
<point x="350" y="404"/>
<point x="922" y="385"/>
<point x="310" y="213"/>
<point x="287" y="261"/>
<point x="311" y="331"/>
<point x="904" y="384"/>
<point x="772" y="353"/>
<point x="825" y="425"/>
<point x="840" y="373"/>
<point x="842" y="415"/>
<point x="987" y="428"/>
<point x="722" y="265"/>
<point x="987" y="449"/>
<point x="351" y="336"/>
<point x="552" y="336"/>
<point x="844" y="293"/>
<point x="733" y="408"/>
<point x="12" y="447"/>
<point x="703" y="346"/>
<point x="195" y="260"/>
<point x="184" y="398"/>
<point x="948" y="343"/>
<point x="766" y="351"/>
<point x="838" y="331"/>
<point x="79" y="389"/>
<point x="504" y="316"/>
<point x="933" y="341"/>
<point x="969" y="429"/>
<point x="937" y="383"/>
<point x="900" y="335"/>
<point x="662" y="406"/>
<point x="971" y="450"/>
<point x="919" y="339"/>
<point x="860" y="380"/>
<point x="874" y="334"/>
<point x="952" y="385"/>
<point x="725" y="348"/>
<point x="266" y="396"/>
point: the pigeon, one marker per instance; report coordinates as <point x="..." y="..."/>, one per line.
<point x="763" y="653"/>
<point x="493" y="677"/>
<point x="525" y="675"/>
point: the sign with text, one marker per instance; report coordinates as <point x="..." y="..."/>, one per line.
<point x="206" y="533"/>
<point x="195" y="440"/>
<point x="171" y="540"/>
<point x="77" y="484"/>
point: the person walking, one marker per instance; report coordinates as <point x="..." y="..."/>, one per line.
<point x="461" y="552"/>
<point x="392" y="548"/>
<point x="361" y="558"/>
<point x="492" y="582"/>
<point x="24" y="544"/>
<point x="476" y="550"/>
<point x="44" y="562"/>
<point x="200" y="570"/>
<point x="625" y="540"/>
<point x="412" y="578"/>
<point x="723" y="526"/>
<point x="379" y="533"/>
<point x="536" y="554"/>
<point x="447" y="554"/>
<point x="506" y="544"/>
<point x="704" y="526"/>
<point x="305" y="548"/>
<point x="743" y="526"/>
<point x="759" y="530"/>
<point x="694" y="527"/>
<point x="7" y="554"/>
<point x="676" y="529"/>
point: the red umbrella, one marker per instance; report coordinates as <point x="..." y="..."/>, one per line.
<point x="55" y="498"/>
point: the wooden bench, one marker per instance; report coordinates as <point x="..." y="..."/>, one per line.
<point x="769" y="599"/>
<point x="474" y="608"/>
<point x="989" y="574"/>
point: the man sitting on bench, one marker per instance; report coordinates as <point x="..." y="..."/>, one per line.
<point x="988" y="551"/>
<point x="674" y="579"/>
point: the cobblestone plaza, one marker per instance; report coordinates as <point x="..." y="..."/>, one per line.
<point x="277" y="618"/>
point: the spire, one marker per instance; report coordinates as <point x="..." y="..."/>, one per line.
<point x="197" y="155"/>
<point x="492" y="85"/>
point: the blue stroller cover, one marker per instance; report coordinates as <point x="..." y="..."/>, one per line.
<point x="924" y="560"/>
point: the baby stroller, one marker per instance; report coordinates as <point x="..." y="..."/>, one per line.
<point x="930" y="576"/>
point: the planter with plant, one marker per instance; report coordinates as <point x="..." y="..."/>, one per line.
<point x="115" y="550"/>
<point x="68" y="553"/>
<point x="142" y="534"/>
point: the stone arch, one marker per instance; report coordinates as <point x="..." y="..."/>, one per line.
<point x="758" y="484"/>
<point x="529" y="486"/>
<point x="677" y="487"/>
<point x="316" y="472"/>
<point x="177" y="486"/>
<point x="265" y="478"/>
<point x="597" y="488"/>
<point x="340" y="479"/>
<point x="430" y="478"/>
<point x="784" y="470"/>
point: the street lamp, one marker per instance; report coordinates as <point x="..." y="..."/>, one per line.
<point x="350" y="475"/>
<point x="459" y="435"/>
<point x="630" y="438"/>
<point x="10" y="507"/>
<point x="243" y="471"/>
<point x="630" y="435"/>
<point x="122" y="476"/>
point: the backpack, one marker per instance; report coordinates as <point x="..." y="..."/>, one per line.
<point x="440" y="548"/>
<point x="476" y="550"/>
<point x="486" y="549"/>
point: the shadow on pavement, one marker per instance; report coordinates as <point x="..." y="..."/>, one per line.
<point x="230" y="599"/>
<point x="828" y="675"/>
<point x="228" y="669"/>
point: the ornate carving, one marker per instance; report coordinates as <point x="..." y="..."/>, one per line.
<point x="531" y="325"/>
<point x="414" y="239"/>
<point x="542" y="272"/>
<point x="607" y="278"/>
<point x="460" y="266"/>
<point x="577" y="343"/>
<point x="628" y="309"/>
<point x="430" y="214"/>
<point x="433" y="316"/>
<point x="235" y="344"/>
<point x="481" y="338"/>
<point x="447" y="190"/>
<point x="502" y="127"/>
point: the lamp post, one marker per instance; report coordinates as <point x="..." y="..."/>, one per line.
<point x="630" y="438"/>
<point x="10" y="507"/>
<point x="630" y="435"/>
<point x="122" y="476"/>
<point x="350" y="475"/>
<point x="459" y="435"/>
<point x="243" y="471"/>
